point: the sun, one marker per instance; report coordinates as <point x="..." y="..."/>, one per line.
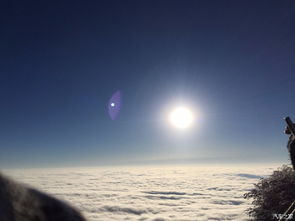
<point x="181" y="117"/>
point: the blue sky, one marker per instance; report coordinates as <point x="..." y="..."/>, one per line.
<point x="233" y="61"/>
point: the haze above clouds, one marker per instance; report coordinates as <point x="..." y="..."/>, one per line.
<point x="150" y="193"/>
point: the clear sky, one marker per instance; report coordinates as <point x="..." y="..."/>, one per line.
<point x="60" y="62"/>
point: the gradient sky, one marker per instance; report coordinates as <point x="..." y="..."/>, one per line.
<point x="61" y="61"/>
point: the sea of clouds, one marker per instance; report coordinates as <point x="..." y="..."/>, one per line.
<point x="150" y="193"/>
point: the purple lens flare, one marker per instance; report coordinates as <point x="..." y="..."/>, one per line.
<point x="114" y="105"/>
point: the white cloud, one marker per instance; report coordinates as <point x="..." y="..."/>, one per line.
<point x="150" y="193"/>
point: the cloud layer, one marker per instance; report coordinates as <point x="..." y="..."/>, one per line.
<point x="150" y="193"/>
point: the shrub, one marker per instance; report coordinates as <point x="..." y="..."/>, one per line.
<point x="273" y="194"/>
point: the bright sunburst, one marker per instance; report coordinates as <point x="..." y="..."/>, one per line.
<point x="181" y="117"/>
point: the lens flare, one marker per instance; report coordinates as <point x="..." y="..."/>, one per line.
<point x="114" y="105"/>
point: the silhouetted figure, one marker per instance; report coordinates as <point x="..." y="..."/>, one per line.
<point x="290" y="129"/>
<point x="21" y="203"/>
<point x="291" y="148"/>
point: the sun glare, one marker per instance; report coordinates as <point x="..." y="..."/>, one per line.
<point x="181" y="117"/>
